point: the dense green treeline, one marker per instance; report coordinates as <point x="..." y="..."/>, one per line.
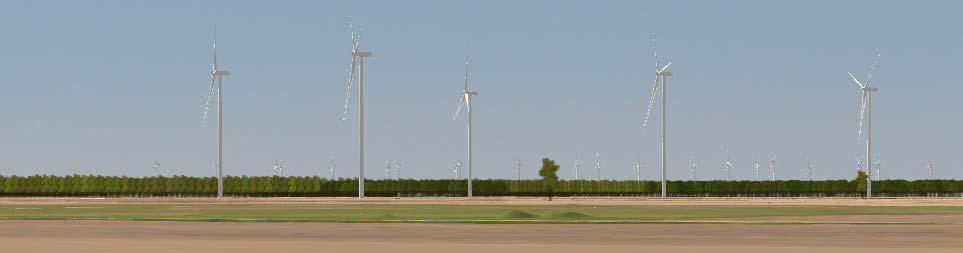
<point x="267" y="186"/>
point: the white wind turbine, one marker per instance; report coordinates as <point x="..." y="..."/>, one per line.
<point x="878" y="163"/>
<point x="214" y="96"/>
<point x="772" y="167"/>
<point x="518" y="170"/>
<point x="930" y="167"/>
<point x="397" y="170"/>
<point x="809" y="168"/>
<point x="755" y="169"/>
<point x="598" y="167"/>
<point x="465" y="101"/>
<point x="692" y="168"/>
<point x="859" y="163"/>
<point x="457" y="169"/>
<point x="638" y="170"/>
<point x="357" y="62"/>
<point x="157" y="167"/>
<point x="727" y="168"/>
<point x="331" y="165"/>
<point x="388" y="168"/>
<point x="278" y="167"/>
<point x="866" y="108"/>
<point x="575" y="168"/>
<point x="661" y="72"/>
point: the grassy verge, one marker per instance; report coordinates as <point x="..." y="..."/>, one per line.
<point x="432" y="213"/>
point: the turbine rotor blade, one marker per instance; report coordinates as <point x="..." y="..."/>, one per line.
<point x="347" y="96"/>
<point x="655" y="91"/>
<point x="857" y="81"/>
<point x="655" y="52"/>
<point x="461" y="104"/>
<point x="875" y="67"/>
<point x="210" y="99"/>
<point x="665" y="67"/>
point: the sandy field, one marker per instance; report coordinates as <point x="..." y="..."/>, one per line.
<point x="149" y="237"/>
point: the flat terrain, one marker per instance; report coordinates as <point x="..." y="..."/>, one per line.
<point x="440" y="224"/>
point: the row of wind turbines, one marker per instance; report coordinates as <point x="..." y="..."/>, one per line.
<point x="659" y="90"/>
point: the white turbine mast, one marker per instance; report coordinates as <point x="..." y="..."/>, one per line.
<point x="693" y="165"/>
<point x="157" y="167"/>
<point x="661" y="72"/>
<point x="278" y="167"/>
<point x="728" y="165"/>
<point x="755" y="169"/>
<point x="809" y="168"/>
<point x="878" y="164"/>
<point x="388" y="169"/>
<point x="357" y="63"/>
<point x="331" y="165"/>
<point x="397" y="170"/>
<point x="465" y="101"/>
<point x="598" y="167"/>
<point x="772" y="167"/>
<point x="575" y="168"/>
<point x="214" y="97"/>
<point x="866" y="112"/>
<point x="457" y="169"/>
<point x="638" y="170"/>
<point x="518" y="170"/>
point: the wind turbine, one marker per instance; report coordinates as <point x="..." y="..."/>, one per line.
<point x="397" y="170"/>
<point x="878" y="163"/>
<point x="727" y="168"/>
<point x="772" y="167"/>
<point x="661" y="72"/>
<point x="278" y="167"/>
<point x="638" y="170"/>
<point x="518" y="170"/>
<point x="929" y="167"/>
<point x="575" y="168"/>
<point x="755" y="169"/>
<point x="357" y="62"/>
<point x="214" y="96"/>
<point x="388" y="168"/>
<point x="457" y="170"/>
<point x="866" y="108"/>
<point x="156" y="167"/>
<point x="465" y="101"/>
<point x="809" y="168"/>
<point x="692" y="168"/>
<point x="331" y="165"/>
<point x="598" y="167"/>
<point x="859" y="163"/>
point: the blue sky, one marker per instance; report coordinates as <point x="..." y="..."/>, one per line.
<point x="110" y="86"/>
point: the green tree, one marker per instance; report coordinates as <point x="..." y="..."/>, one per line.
<point x="860" y="181"/>
<point x="549" y="178"/>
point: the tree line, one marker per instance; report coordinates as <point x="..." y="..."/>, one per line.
<point x="292" y="186"/>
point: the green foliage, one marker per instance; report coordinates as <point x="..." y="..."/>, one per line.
<point x="269" y="186"/>
<point x="549" y="176"/>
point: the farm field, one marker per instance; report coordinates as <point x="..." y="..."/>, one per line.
<point x="481" y="225"/>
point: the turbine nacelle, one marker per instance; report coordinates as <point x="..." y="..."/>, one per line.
<point x="361" y="54"/>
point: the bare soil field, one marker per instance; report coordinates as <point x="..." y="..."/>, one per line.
<point x="151" y="237"/>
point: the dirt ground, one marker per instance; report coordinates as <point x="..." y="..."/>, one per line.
<point x="520" y="201"/>
<point x="150" y="237"/>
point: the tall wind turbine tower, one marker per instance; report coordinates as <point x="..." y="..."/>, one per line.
<point x="809" y="168"/>
<point x="357" y="62"/>
<point x="866" y="109"/>
<point x="661" y="72"/>
<point x="465" y="101"/>
<point x="214" y="96"/>
<point x="457" y="169"/>
<point x="575" y="168"/>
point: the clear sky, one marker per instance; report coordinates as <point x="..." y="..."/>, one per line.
<point x="110" y="86"/>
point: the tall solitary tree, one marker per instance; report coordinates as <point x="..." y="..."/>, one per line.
<point x="549" y="178"/>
